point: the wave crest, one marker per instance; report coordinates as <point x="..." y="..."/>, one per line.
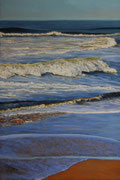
<point x="77" y="66"/>
<point x="19" y="105"/>
<point x="32" y="32"/>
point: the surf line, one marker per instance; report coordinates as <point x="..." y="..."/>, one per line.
<point x="23" y="32"/>
<point x="79" y="101"/>
<point x="82" y="158"/>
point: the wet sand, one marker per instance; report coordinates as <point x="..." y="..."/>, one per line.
<point x="19" y="119"/>
<point x="90" y="170"/>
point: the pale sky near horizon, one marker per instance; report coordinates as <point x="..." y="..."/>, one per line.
<point x="59" y="9"/>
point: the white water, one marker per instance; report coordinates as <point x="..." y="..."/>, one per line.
<point x="77" y="66"/>
<point x="98" y="119"/>
<point x="13" y="49"/>
<point x="54" y="33"/>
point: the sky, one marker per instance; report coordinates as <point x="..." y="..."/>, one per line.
<point x="59" y="9"/>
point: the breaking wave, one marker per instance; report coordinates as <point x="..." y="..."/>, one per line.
<point x="99" y="97"/>
<point x="17" y="31"/>
<point x="77" y="67"/>
<point x="15" y="48"/>
<point x="50" y="103"/>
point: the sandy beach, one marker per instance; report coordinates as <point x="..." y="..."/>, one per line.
<point x="91" y="170"/>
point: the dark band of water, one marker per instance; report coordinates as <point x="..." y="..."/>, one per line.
<point x="81" y="100"/>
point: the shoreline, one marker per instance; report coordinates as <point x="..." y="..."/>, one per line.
<point x="91" y="169"/>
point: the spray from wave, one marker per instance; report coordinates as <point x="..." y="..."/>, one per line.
<point x="77" y="67"/>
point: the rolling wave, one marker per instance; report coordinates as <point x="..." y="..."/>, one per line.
<point x="77" y="67"/>
<point x="99" y="97"/>
<point x="16" y="105"/>
<point x="54" y="33"/>
<point x="20" y="31"/>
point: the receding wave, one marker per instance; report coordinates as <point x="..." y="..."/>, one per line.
<point x="50" y="145"/>
<point x="77" y="67"/>
<point x="29" y="156"/>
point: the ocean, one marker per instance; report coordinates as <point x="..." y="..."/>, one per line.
<point x="59" y="95"/>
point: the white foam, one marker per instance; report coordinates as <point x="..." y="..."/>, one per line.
<point x="77" y="66"/>
<point x="20" y="89"/>
<point x="55" y="86"/>
<point x="100" y="107"/>
<point x="54" y="33"/>
<point x="11" y="47"/>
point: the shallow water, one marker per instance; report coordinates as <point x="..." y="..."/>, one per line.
<point x="54" y="134"/>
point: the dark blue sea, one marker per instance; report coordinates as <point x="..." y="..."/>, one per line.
<point x="59" y="95"/>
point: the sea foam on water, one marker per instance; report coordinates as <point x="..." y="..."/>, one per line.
<point x="77" y="66"/>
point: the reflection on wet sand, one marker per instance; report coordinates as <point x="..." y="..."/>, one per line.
<point x="90" y="170"/>
<point x="25" y="118"/>
<point x="30" y="156"/>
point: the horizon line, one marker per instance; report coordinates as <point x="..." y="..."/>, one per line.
<point x="60" y="20"/>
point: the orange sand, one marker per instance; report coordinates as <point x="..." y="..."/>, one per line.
<point x="91" y="170"/>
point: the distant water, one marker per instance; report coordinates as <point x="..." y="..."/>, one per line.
<point x="72" y="27"/>
<point x="59" y="95"/>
